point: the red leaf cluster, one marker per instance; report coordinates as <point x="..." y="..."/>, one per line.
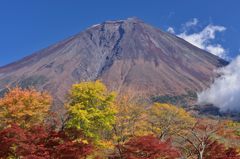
<point x="148" y="147"/>
<point x="219" y="151"/>
<point x="39" y="143"/>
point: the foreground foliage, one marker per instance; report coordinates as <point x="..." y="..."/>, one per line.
<point x="39" y="143"/>
<point x="147" y="147"/>
<point x="24" y="107"/>
<point x="166" y="120"/>
<point x="218" y="150"/>
<point x="91" y="109"/>
<point x="96" y="126"/>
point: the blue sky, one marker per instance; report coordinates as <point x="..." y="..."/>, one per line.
<point x="27" y="26"/>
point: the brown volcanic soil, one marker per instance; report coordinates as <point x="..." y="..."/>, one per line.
<point x="126" y="55"/>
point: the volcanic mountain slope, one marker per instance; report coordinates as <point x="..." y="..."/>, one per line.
<point x="125" y="55"/>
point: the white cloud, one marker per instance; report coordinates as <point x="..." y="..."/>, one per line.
<point x="203" y="39"/>
<point x="225" y="91"/>
<point x="192" y="22"/>
<point x="217" y="50"/>
<point x="171" y="30"/>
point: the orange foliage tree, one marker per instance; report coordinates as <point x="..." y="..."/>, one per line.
<point x="24" y="107"/>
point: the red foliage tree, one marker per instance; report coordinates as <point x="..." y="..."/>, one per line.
<point x="147" y="147"/>
<point x="201" y="141"/>
<point x="39" y="143"/>
<point x="219" y="151"/>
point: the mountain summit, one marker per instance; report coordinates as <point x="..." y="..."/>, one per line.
<point x="125" y="54"/>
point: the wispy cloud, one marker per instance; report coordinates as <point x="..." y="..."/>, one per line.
<point x="192" y="22"/>
<point x="217" y="50"/>
<point x="225" y="91"/>
<point x="204" y="39"/>
<point x="171" y="30"/>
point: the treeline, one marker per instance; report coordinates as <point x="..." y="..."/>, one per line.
<point x="98" y="124"/>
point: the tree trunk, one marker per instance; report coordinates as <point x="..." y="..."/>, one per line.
<point x="200" y="156"/>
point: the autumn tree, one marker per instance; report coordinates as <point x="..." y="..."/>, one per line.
<point x="91" y="109"/>
<point x="24" y="107"/>
<point x="147" y="147"/>
<point x="217" y="150"/>
<point x="166" y="120"/>
<point x="233" y="128"/>
<point x="130" y="120"/>
<point x="38" y="142"/>
<point x="230" y="133"/>
<point x="200" y="137"/>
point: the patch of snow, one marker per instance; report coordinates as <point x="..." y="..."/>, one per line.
<point x="95" y="25"/>
<point x="115" y="21"/>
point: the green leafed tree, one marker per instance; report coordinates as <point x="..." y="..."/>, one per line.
<point x="91" y="109"/>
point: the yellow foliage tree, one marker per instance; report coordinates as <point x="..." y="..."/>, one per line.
<point x="91" y="110"/>
<point x="166" y="120"/>
<point x="130" y="120"/>
<point x="130" y="117"/>
<point x="24" y="107"/>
